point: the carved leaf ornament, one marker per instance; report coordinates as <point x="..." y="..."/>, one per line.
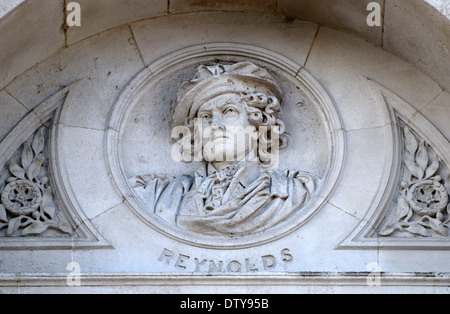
<point x="36" y="207"/>
<point x="27" y="207"/>
<point x="423" y="205"/>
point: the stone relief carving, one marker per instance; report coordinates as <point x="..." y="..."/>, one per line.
<point x="27" y="206"/>
<point x="423" y="207"/>
<point x="37" y="210"/>
<point x="411" y="209"/>
<point x="233" y="194"/>
<point x="183" y="183"/>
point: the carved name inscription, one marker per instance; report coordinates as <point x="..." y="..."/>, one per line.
<point x="190" y="263"/>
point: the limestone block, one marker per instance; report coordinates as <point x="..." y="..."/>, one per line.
<point x="180" y="6"/>
<point x="342" y="63"/>
<point x="11" y="113"/>
<point x="366" y="156"/>
<point x="28" y="37"/>
<point x="412" y="261"/>
<point x="34" y="261"/>
<point x="138" y="256"/>
<point x="85" y="169"/>
<point x="104" y="63"/>
<point x="340" y="14"/>
<point x="98" y="16"/>
<point x="438" y="111"/>
<point x="175" y="32"/>
<point x="318" y="253"/>
<point x="421" y="35"/>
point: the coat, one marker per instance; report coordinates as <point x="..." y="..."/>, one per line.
<point x="237" y="201"/>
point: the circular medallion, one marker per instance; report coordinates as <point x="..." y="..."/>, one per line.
<point x="21" y="197"/>
<point x="203" y="205"/>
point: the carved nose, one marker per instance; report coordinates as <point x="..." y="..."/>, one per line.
<point x="217" y="122"/>
<point x="217" y="130"/>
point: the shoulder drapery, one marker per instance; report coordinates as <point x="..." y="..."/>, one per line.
<point x="251" y="200"/>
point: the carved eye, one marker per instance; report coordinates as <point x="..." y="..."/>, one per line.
<point x="230" y="112"/>
<point x="206" y="117"/>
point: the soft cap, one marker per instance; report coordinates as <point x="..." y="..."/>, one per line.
<point x="213" y="81"/>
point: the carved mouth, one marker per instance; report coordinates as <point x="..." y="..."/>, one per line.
<point x="219" y="136"/>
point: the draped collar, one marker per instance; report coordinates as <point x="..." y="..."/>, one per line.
<point x="246" y="171"/>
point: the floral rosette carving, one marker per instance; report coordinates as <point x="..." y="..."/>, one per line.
<point x="27" y="207"/>
<point x="423" y="205"/>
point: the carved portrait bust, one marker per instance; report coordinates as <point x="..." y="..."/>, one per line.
<point x="228" y="117"/>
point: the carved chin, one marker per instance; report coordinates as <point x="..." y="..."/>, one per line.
<point x="223" y="150"/>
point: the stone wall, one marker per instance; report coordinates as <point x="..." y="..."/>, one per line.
<point x="84" y="110"/>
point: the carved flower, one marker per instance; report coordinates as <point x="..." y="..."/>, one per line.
<point x="27" y="197"/>
<point x="21" y="197"/>
<point x="428" y="198"/>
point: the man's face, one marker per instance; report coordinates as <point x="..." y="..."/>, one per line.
<point x="226" y="129"/>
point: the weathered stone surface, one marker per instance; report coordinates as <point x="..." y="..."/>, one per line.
<point x="438" y="112"/>
<point x="98" y="16"/>
<point x="363" y="161"/>
<point x="86" y="156"/>
<point x="179" y="6"/>
<point x="104" y="63"/>
<point x="345" y="15"/>
<point x="175" y="32"/>
<point x="421" y="35"/>
<point x="353" y="61"/>
<point x="368" y="128"/>
<point x="41" y="35"/>
<point x="12" y="113"/>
